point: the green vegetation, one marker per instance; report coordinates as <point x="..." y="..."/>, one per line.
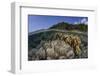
<point x="67" y="26"/>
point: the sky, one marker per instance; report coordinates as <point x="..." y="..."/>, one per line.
<point x="37" y="22"/>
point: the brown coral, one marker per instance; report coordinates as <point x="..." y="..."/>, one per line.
<point x="73" y="41"/>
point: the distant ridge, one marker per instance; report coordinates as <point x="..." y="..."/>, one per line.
<point x="67" y="26"/>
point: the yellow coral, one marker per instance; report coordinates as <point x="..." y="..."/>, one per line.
<point x="73" y="41"/>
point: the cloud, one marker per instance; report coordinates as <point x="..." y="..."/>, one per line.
<point x="84" y="21"/>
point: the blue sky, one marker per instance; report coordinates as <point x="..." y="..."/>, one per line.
<point x="37" y="22"/>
